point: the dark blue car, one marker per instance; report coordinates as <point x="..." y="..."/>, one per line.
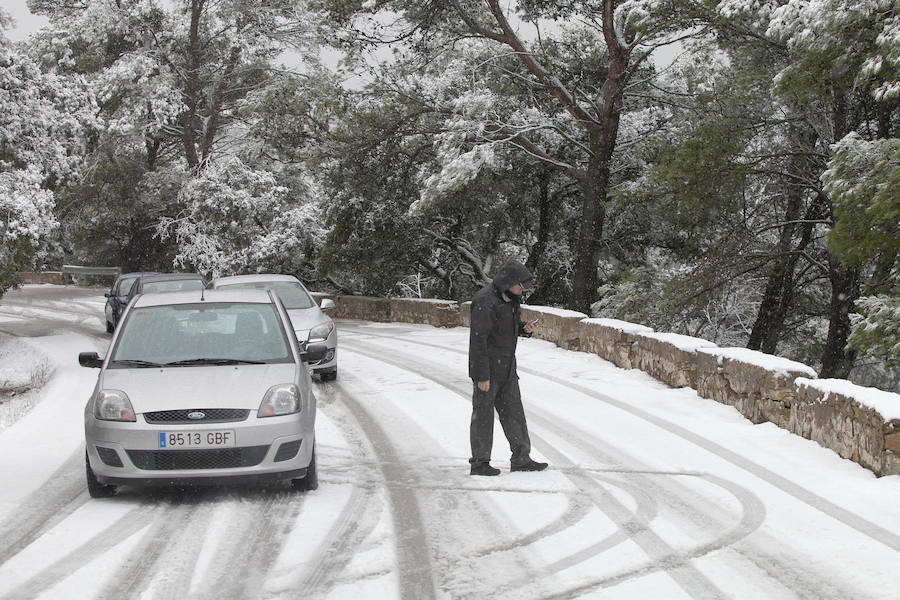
<point x="117" y="297"/>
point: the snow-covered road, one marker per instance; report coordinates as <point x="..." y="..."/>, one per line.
<point x="652" y="491"/>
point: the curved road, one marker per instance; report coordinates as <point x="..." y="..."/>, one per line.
<point x="652" y="492"/>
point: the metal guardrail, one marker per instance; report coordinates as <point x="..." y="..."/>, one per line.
<point x="74" y="270"/>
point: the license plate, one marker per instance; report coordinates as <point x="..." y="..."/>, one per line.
<point x="179" y="440"/>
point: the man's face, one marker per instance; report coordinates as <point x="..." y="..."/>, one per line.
<point x="517" y="289"/>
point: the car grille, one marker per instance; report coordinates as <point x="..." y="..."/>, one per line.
<point x="172" y="460"/>
<point x="109" y="456"/>
<point x="287" y="451"/>
<point x="213" y="415"/>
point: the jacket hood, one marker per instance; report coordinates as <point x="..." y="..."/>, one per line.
<point x="510" y="274"/>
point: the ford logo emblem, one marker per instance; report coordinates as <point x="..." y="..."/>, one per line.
<point x="196" y="415"/>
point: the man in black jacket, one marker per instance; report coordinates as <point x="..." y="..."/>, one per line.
<point x="495" y="327"/>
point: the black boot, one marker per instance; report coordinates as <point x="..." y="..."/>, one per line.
<point x="484" y="469"/>
<point x="531" y="465"/>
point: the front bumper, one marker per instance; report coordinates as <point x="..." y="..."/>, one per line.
<point x="271" y="448"/>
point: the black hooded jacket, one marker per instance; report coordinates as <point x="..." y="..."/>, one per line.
<point x="496" y="325"/>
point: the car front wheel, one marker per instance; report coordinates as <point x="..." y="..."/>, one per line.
<point x="311" y="481"/>
<point x="95" y="488"/>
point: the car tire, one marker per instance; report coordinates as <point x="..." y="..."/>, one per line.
<point x="110" y="327"/>
<point x="95" y="488"/>
<point x="311" y="480"/>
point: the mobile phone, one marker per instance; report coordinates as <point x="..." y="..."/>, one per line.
<point x="534" y="322"/>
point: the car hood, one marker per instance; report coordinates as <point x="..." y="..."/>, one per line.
<point x="173" y="388"/>
<point x="304" y="319"/>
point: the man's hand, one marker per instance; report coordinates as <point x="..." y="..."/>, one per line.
<point x="484" y="386"/>
<point x="530" y="326"/>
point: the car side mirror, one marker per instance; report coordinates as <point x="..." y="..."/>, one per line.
<point x="313" y="352"/>
<point x="327" y="304"/>
<point x="107" y="295"/>
<point x="90" y="359"/>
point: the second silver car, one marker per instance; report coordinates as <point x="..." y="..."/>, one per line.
<point x="311" y="323"/>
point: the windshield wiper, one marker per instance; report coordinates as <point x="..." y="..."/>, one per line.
<point x="213" y="361"/>
<point x="137" y="363"/>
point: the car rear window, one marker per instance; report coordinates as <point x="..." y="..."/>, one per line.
<point x="292" y="294"/>
<point x="185" y="332"/>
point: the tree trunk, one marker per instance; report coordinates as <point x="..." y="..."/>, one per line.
<point x="544" y="211"/>
<point x="587" y="248"/>
<point x="767" y="326"/>
<point x="837" y="361"/>
<point x="779" y="295"/>
<point x="192" y="90"/>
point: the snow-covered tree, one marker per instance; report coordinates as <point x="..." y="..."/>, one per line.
<point x="876" y="328"/>
<point x="46" y="120"/>
<point x="574" y="88"/>
<point x="844" y="66"/>
<point x="863" y="181"/>
<point x="240" y="219"/>
<point x="26" y="219"/>
<point x="170" y="77"/>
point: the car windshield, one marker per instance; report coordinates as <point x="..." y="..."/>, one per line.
<point x="292" y="294"/>
<point x="201" y="334"/>
<point x="172" y="285"/>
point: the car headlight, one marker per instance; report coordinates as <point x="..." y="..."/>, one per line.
<point x="320" y="332"/>
<point x="282" y="399"/>
<point x="113" y="405"/>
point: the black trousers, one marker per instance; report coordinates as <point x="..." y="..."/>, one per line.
<point x="504" y="396"/>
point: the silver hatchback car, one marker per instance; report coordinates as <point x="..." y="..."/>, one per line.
<point x="201" y="387"/>
<point x="311" y="323"/>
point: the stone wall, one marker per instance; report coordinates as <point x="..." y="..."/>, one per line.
<point x="556" y="325"/>
<point x="615" y="341"/>
<point x="669" y="357"/>
<point x="54" y="277"/>
<point x="440" y="313"/>
<point x="759" y="386"/>
<point x="860" y="424"/>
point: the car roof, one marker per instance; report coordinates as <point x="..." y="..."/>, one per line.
<point x="171" y="277"/>
<point x="203" y="296"/>
<point x="137" y="274"/>
<point x="256" y="278"/>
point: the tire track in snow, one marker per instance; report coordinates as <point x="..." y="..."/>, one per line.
<point x="61" y="495"/>
<point x="792" y="575"/>
<point x="104" y="540"/>
<point x="413" y="553"/>
<point x="854" y="521"/>
<point x="31" y="324"/>
<point x="686" y="575"/>
<point x="256" y="536"/>
<point x="450" y="524"/>
<point x="357" y="519"/>
<point x="174" y="531"/>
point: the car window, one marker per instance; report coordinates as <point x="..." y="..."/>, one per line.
<point x="185" y="332"/>
<point x="175" y="285"/>
<point x="292" y="294"/>
<point x="125" y="286"/>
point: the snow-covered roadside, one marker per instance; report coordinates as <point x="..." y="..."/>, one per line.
<point x="23" y="372"/>
<point x="52" y="430"/>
